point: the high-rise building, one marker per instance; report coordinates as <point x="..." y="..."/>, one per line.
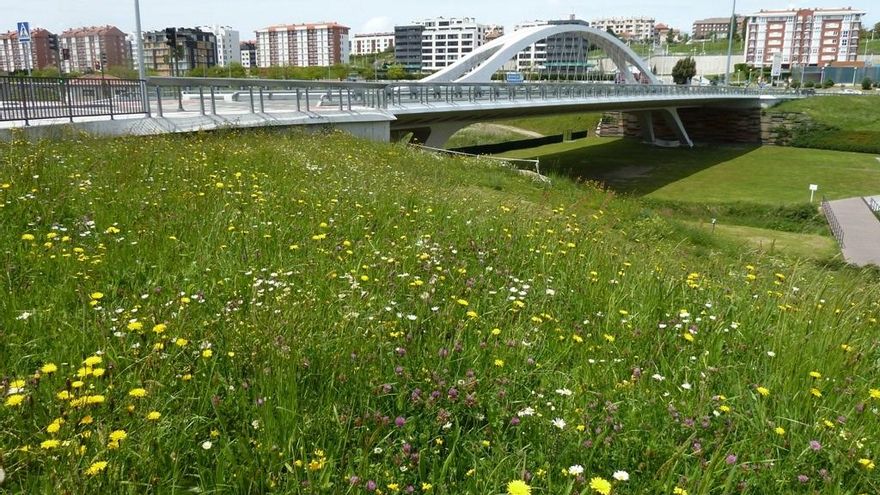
<point x="228" y="44"/>
<point x="248" y="51"/>
<point x="370" y="44"/>
<point x="94" y="48"/>
<point x="803" y="36"/>
<point x="15" y="55"/>
<point x="627" y="28"/>
<point x="444" y="41"/>
<point x="302" y="45"/>
<point x="195" y="49"/>
<point x="562" y="55"/>
<point x="408" y="47"/>
<point x="717" y="27"/>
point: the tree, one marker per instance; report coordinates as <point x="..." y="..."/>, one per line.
<point x="866" y="83"/>
<point x="396" y="71"/>
<point x="877" y="29"/>
<point x="684" y="70"/>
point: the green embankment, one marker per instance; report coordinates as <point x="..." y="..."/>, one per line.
<point x="257" y="312"/>
<point x="842" y="122"/>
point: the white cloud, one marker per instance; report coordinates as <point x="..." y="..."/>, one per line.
<point x="382" y="24"/>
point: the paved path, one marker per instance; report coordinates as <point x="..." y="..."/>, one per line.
<point x="861" y="231"/>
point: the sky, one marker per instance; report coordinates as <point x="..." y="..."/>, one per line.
<point x="368" y="16"/>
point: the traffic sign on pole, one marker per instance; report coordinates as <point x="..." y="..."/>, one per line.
<point x="24" y="31"/>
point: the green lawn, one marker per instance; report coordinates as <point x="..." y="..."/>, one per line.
<point x="479" y="134"/>
<point x="808" y="246"/>
<point x="846" y="112"/>
<point x="763" y="175"/>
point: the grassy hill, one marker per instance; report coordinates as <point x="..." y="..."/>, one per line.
<point x="286" y="313"/>
<point x="842" y="122"/>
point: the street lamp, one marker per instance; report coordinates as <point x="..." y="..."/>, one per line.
<point x="140" y="40"/>
<point x="730" y="30"/>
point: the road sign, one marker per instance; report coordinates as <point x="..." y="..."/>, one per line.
<point x="813" y="189"/>
<point x="24" y="31"/>
<point x="514" y="78"/>
<point x="776" y="70"/>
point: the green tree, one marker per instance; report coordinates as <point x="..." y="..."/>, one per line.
<point x="866" y="83"/>
<point x="877" y="29"/>
<point x="684" y="70"/>
<point x="396" y="71"/>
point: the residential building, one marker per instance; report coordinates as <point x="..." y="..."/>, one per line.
<point x="444" y="41"/>
<point x="408" y="47"/>
<point x="717" y="27"/>
<point x="94" y="48"/>
<point x="248" y="51"/>
<point x="494" y="31"/>
<point x="816" y="37"/>
<point x="302" y="45"/>
<point x="627" y="28"/>
<point x="372" y="43"/>
<point x="15" y="55"/>
<point x="228" y="44"/>
<point x="195" y="49"/>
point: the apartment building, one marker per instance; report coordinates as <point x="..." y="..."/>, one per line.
<point x="803" y="36"/>
<point x="248" y="51"/>
<point x="444" y="41"/>
<point x="717" y="27"/>
<point x="17" y="56"/>
<point x="228" y="44"/>
<point x="92" y="48"/>
<point x="563" y="55"/>
<point x="302" y="45"/>
<point x="627" y="28"/>
<point x="371" y="43"/>
<point x="408" y="47"/>
<point x="195" y="49"/>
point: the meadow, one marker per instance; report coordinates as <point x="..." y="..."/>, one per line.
<point x="288" y="313"/>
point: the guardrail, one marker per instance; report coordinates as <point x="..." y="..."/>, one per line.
<point x="836" y="229"/>
<point x="33" y="98"/>
<point x="43" y="98"/>
<point x="873" y="204"/>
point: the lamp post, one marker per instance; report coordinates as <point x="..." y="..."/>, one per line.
<point x="140" y="40"/>
<point x="731" y="29"/>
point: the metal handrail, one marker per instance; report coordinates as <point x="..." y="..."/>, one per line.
<point x="836" y="228"/>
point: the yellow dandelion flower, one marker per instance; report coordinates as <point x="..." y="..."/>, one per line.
<point x="867" y="464"/>
<point x="49" y="444"/>
<point x="135" y="326"/>
<point x="181" y="342"/>
<point x="93" y="360"/>
<point x="518" y="487"/>
<point x="118" y="435"/>
<point x="27" y="237"/>
<point x="207" y="353"/>
<point x="679" y="491"/>
<point x="96" y="468"/>
<point x="779" y="430"/>
<point x="137" y="392"/>
<point x="14" y="400"/>
<point x="96" y="295"/>
<point x="462" y="302"/>
<point x="160" y="328"/>
<point x="49" y="368"/>
<point x="763" y="391"/>
<point x="815" y="374"/>
<point x="98" y="372"/>
<point x="875" y="393"/>
<point x="815" y="392"/>
<point x="154" y="416"/>
<point x="600" y="485"/>
<point x="499" y="363"/>
<point x="63" y="395"/>
<point x="87" y="420"/>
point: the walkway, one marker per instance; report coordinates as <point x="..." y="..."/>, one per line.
<point x="861" y="231"/>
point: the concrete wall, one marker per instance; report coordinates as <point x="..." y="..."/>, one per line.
<point x="704" y="125"/>
<point x="706" y="65"/>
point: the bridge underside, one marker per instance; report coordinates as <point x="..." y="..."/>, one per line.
<point x="656" y="124"/>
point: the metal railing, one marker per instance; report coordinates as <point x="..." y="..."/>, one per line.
<point x="33" y="98"/>
<point x="873" y="204"/>
<point x="836" y="228"/>
<point x="50" y="98"/>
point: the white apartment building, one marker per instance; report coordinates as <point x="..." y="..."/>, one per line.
<point x="302" y="45"/>
<point x="372" y="43"/>
<point x="228" y="50"/>
<point x="446" y="40"/>
<point x="533" y="58"/>
<point x="627" y="28"/>
<point x="803" y="36"/>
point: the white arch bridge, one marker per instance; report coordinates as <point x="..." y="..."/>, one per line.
<point x="432" y="109"/>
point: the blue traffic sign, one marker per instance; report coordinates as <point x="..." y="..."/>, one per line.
<point x="24" y="31"/>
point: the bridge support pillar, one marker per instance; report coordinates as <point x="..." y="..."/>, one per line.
<point x="674" y="121"/>
<point x="646" y="122"/>
<point x="435" y="136"/>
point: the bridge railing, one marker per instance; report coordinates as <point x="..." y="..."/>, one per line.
<point x="836" y="228"/>
<point x="34" y="98"/>
<point x="53" y="98"/>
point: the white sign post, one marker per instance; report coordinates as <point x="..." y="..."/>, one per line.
<point x="813" y="189"/>
<point x="776" y="69"/>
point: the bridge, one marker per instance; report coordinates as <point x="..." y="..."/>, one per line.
<point x="431" y="109"/>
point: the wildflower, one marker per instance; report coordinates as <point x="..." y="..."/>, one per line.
<point x="118" y="435"/>
<point x="688" y="336"/>
<point x="867" y="464"/>
<point x="27" y="237"/>
<point x="49" y="368"/>
<point x="50" y="444"/>
<point x="815" y="392"/>
<point x="426" y="487"/>
<point x="576" y="470"/>
<point x="815" y="445"/>
<point x="875" y="393"/>
<point x="93" y="360"/>
<point x="96" y="468"/>
<point x="763" y="391"/>
<point x="499" y="363"/>
<point x="14" y="400"/>
<point x="154" y="416"/>
<point x="620" y="475"/>
<point x="55" y="426"/>
<point x="135" y="326"/>
<point x="815" y="374"/>
<point x="181" y="342"/>
<point x="559" y="423"/>
<point x="462" y="302"/>
<point x="207" y="353"/>
<point x="95" y="296"/>
<point x="160" y="328"/>
<point x="779" y="430"/>
<point x="679" y="491"/>
<point x="207" y="445"/>
<point x="600" y="485"/>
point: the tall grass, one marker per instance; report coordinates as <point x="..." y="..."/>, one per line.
<point x="289" y="313"/>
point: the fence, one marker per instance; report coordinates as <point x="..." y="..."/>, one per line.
<point x="519" y="144"/>
<point x="32" y="98"/>
<point x="836" y="229"/>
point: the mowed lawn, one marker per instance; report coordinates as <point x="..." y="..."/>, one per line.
<point x="764" y="175"/>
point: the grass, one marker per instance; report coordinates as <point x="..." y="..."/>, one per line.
<point x="763" y="175"/>
<point x="804" y="246"/>
<point x="842" y="122"/>
<point x="290" y="313"/>
<point x="480" y="134"/>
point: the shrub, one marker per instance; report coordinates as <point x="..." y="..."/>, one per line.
<point x="828" y="83"/>
<point x="809" y="84"/>
<point x="795" y="84"/>
<point x="866" y="83"/>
